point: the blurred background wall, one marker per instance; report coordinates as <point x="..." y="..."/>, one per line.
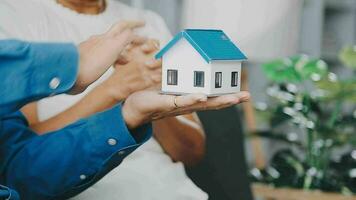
<point x="263" y="29"/>
<point x="266" y="29"/>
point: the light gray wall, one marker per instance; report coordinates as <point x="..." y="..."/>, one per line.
<point x="327" y="26"/>
<point x="312" y="26"/>
<point x="170" y="10"/>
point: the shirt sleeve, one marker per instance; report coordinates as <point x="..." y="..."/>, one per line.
<point x="31" y="71"/>
<point x="63" y="163"/>
<point x="8" y="194"/>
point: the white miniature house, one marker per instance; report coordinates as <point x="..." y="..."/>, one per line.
<point x="201" y="61"/>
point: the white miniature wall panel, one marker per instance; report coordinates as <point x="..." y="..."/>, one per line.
<point x="184" y="58"/>
<point x="226" y="67"/>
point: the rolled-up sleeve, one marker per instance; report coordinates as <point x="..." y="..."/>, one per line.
<point x="63" y="163"/>
<point x="31" y="71"/>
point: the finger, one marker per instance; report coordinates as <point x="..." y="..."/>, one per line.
<point x="119" y="42"/>
<point x="156" y="87"/>
<point x="243" y="96"/>
<point x="200" y="107"/>
<point x="189" y="100"/>
<point x="157" y="78"/>
<point x="150" y="46"/>
<point x="171" y="102"/>
<point x="122" y="61"/>
<point x="139" y="40"/>
<point x="216" y="103"/>
<point x="187" y="105"/>
<point x="136" y="41"/>
<point x="232" y="97"/>
<point x="119" y="27"/>
<point x="123" y="58"/>
<point x="132" y="24"/>
<point x="156" y="43"/>
<point x="227" y="100"/>
<point x="153" y="64"/>
<point x="129" y="47"/>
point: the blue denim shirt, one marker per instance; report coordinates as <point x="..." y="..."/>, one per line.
<point x="63" y="163"/>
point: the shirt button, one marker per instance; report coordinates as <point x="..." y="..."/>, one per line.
<point x="54" y="83"/>
<point x="112" y="142"/>
<point x="121" y="153"/>
<point x="82" y="177"/>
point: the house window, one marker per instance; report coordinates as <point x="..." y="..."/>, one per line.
<point x="198" y="79"/>
<point x="172" y="77"/>
<point x="218" y="79"/>
<point x="234" y="79"/>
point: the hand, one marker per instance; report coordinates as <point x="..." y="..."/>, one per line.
<point x="134" y="71"/>
<point x="99" y="52"/>
<point x="136" y="49"/>
<point x="148" y="105"/>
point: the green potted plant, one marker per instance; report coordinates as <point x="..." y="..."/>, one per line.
<point x="314" y="111"/>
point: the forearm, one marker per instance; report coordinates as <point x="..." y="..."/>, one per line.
<point x="27" y="75"/>
<point x="95" y="101"/>
<point x="182" y="139"/>
<point x="80" y="154"/>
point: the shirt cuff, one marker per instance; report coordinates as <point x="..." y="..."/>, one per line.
<point x="111" y="143"/>
<point x="54" y="68"/>
<point x="111" y="138"/>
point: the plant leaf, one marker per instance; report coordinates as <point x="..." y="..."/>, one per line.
<point x="295" y="69"/>
<point x="344" y="89"/>
<point x="348" y="56"/>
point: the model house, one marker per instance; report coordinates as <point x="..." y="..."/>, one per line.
<point x="201" y="61"/>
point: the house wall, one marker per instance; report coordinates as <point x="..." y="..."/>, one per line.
<point x="226" y="67"/>
<point x="183" y="57"/>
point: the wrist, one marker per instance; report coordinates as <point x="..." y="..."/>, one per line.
<point x="80" y="85"/>
<point x="130" y="117"/>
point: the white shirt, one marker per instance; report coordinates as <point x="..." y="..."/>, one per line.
<point x="148" y="173"/>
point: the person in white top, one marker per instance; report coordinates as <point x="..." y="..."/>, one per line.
<point x="149" y="173"/>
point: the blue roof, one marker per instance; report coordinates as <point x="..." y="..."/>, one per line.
<point x="211" y="45"/>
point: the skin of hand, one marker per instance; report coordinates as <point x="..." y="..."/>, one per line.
<point x="149" y="105"/>
<point x="136" y="70"/>
<point x="99" y="52"/>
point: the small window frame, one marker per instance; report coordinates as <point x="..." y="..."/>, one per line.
<point x="234" y="79"/>
<point x="218" y="79"/>
<point x="172" y="77"/>
<point x="201" y="79"/>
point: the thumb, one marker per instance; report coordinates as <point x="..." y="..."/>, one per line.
<point x="118" y="43"/>
<point x="120" y="27"/>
